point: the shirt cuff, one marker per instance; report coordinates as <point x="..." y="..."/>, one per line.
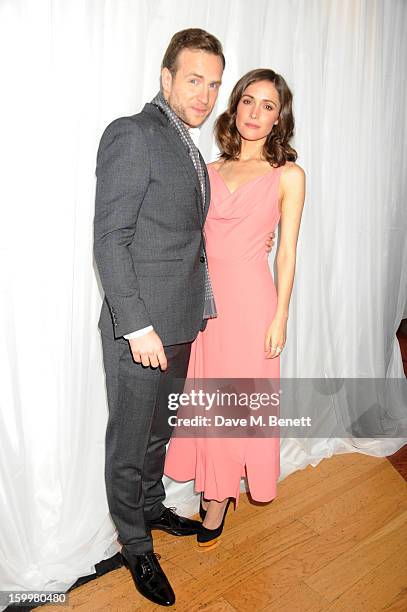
<point x="140" y="332"/>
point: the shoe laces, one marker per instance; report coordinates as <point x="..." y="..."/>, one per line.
<point x="148" y="565"/>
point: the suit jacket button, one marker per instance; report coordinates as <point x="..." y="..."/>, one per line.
<point x="202" y="259"/>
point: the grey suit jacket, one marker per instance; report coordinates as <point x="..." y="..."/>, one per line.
<point x="148" y="229"/>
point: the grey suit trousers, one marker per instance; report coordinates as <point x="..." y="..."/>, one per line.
<point x="136" y="436"/>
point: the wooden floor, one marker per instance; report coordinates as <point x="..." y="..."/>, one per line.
<point x="334" y="539"/>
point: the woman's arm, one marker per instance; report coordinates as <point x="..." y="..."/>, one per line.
<point x="293" y="189"/>
<point x="293" y="186"/>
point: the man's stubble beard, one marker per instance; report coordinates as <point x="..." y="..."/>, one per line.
<point x="181" y="113"/>
<point x="178" y="110"/>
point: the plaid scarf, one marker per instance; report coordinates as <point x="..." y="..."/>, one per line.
<point x="183" y="132"/>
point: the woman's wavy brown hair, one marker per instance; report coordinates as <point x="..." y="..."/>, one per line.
<point x="276" y="149"/>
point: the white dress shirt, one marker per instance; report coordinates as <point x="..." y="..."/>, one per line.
<point x="195" y="133"/>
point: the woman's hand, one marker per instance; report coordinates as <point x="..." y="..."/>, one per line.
<point x="275" y="337"/>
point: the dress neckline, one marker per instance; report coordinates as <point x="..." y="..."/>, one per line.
<point x="255" y="179"/>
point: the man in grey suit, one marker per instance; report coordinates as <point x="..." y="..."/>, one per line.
<point x="152" y="197"/>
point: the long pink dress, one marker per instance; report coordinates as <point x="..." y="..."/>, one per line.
<point x="232" y="345"/>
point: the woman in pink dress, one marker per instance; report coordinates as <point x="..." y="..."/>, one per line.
<point x="255" y="185"/>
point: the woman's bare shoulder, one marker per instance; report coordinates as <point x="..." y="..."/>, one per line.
<point x="293" y="170"/>
<point x="215" y="164"/>
<point x="292" y="183"/>
<point x="292" y="177"/>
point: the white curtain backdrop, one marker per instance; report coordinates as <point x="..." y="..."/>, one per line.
<point x="67" y="69"/>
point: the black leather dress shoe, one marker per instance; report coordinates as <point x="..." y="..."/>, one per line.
<point x="171" y="522"/>
<point x="148" y="577"/>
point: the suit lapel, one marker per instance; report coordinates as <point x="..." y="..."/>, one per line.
<point x="207" y="186"/>
<point x="185" y="161"/>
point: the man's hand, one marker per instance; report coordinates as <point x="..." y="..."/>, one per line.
<point x="270" y="242"/>
<point x="149" y="350"/>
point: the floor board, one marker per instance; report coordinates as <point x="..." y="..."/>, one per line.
<point x="333" y="540"/>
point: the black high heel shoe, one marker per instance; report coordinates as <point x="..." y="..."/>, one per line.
<point x="207" y="538"/>
<point x="202" y="511"/>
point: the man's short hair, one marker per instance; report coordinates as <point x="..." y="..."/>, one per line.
<point x="192" y="38"/>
